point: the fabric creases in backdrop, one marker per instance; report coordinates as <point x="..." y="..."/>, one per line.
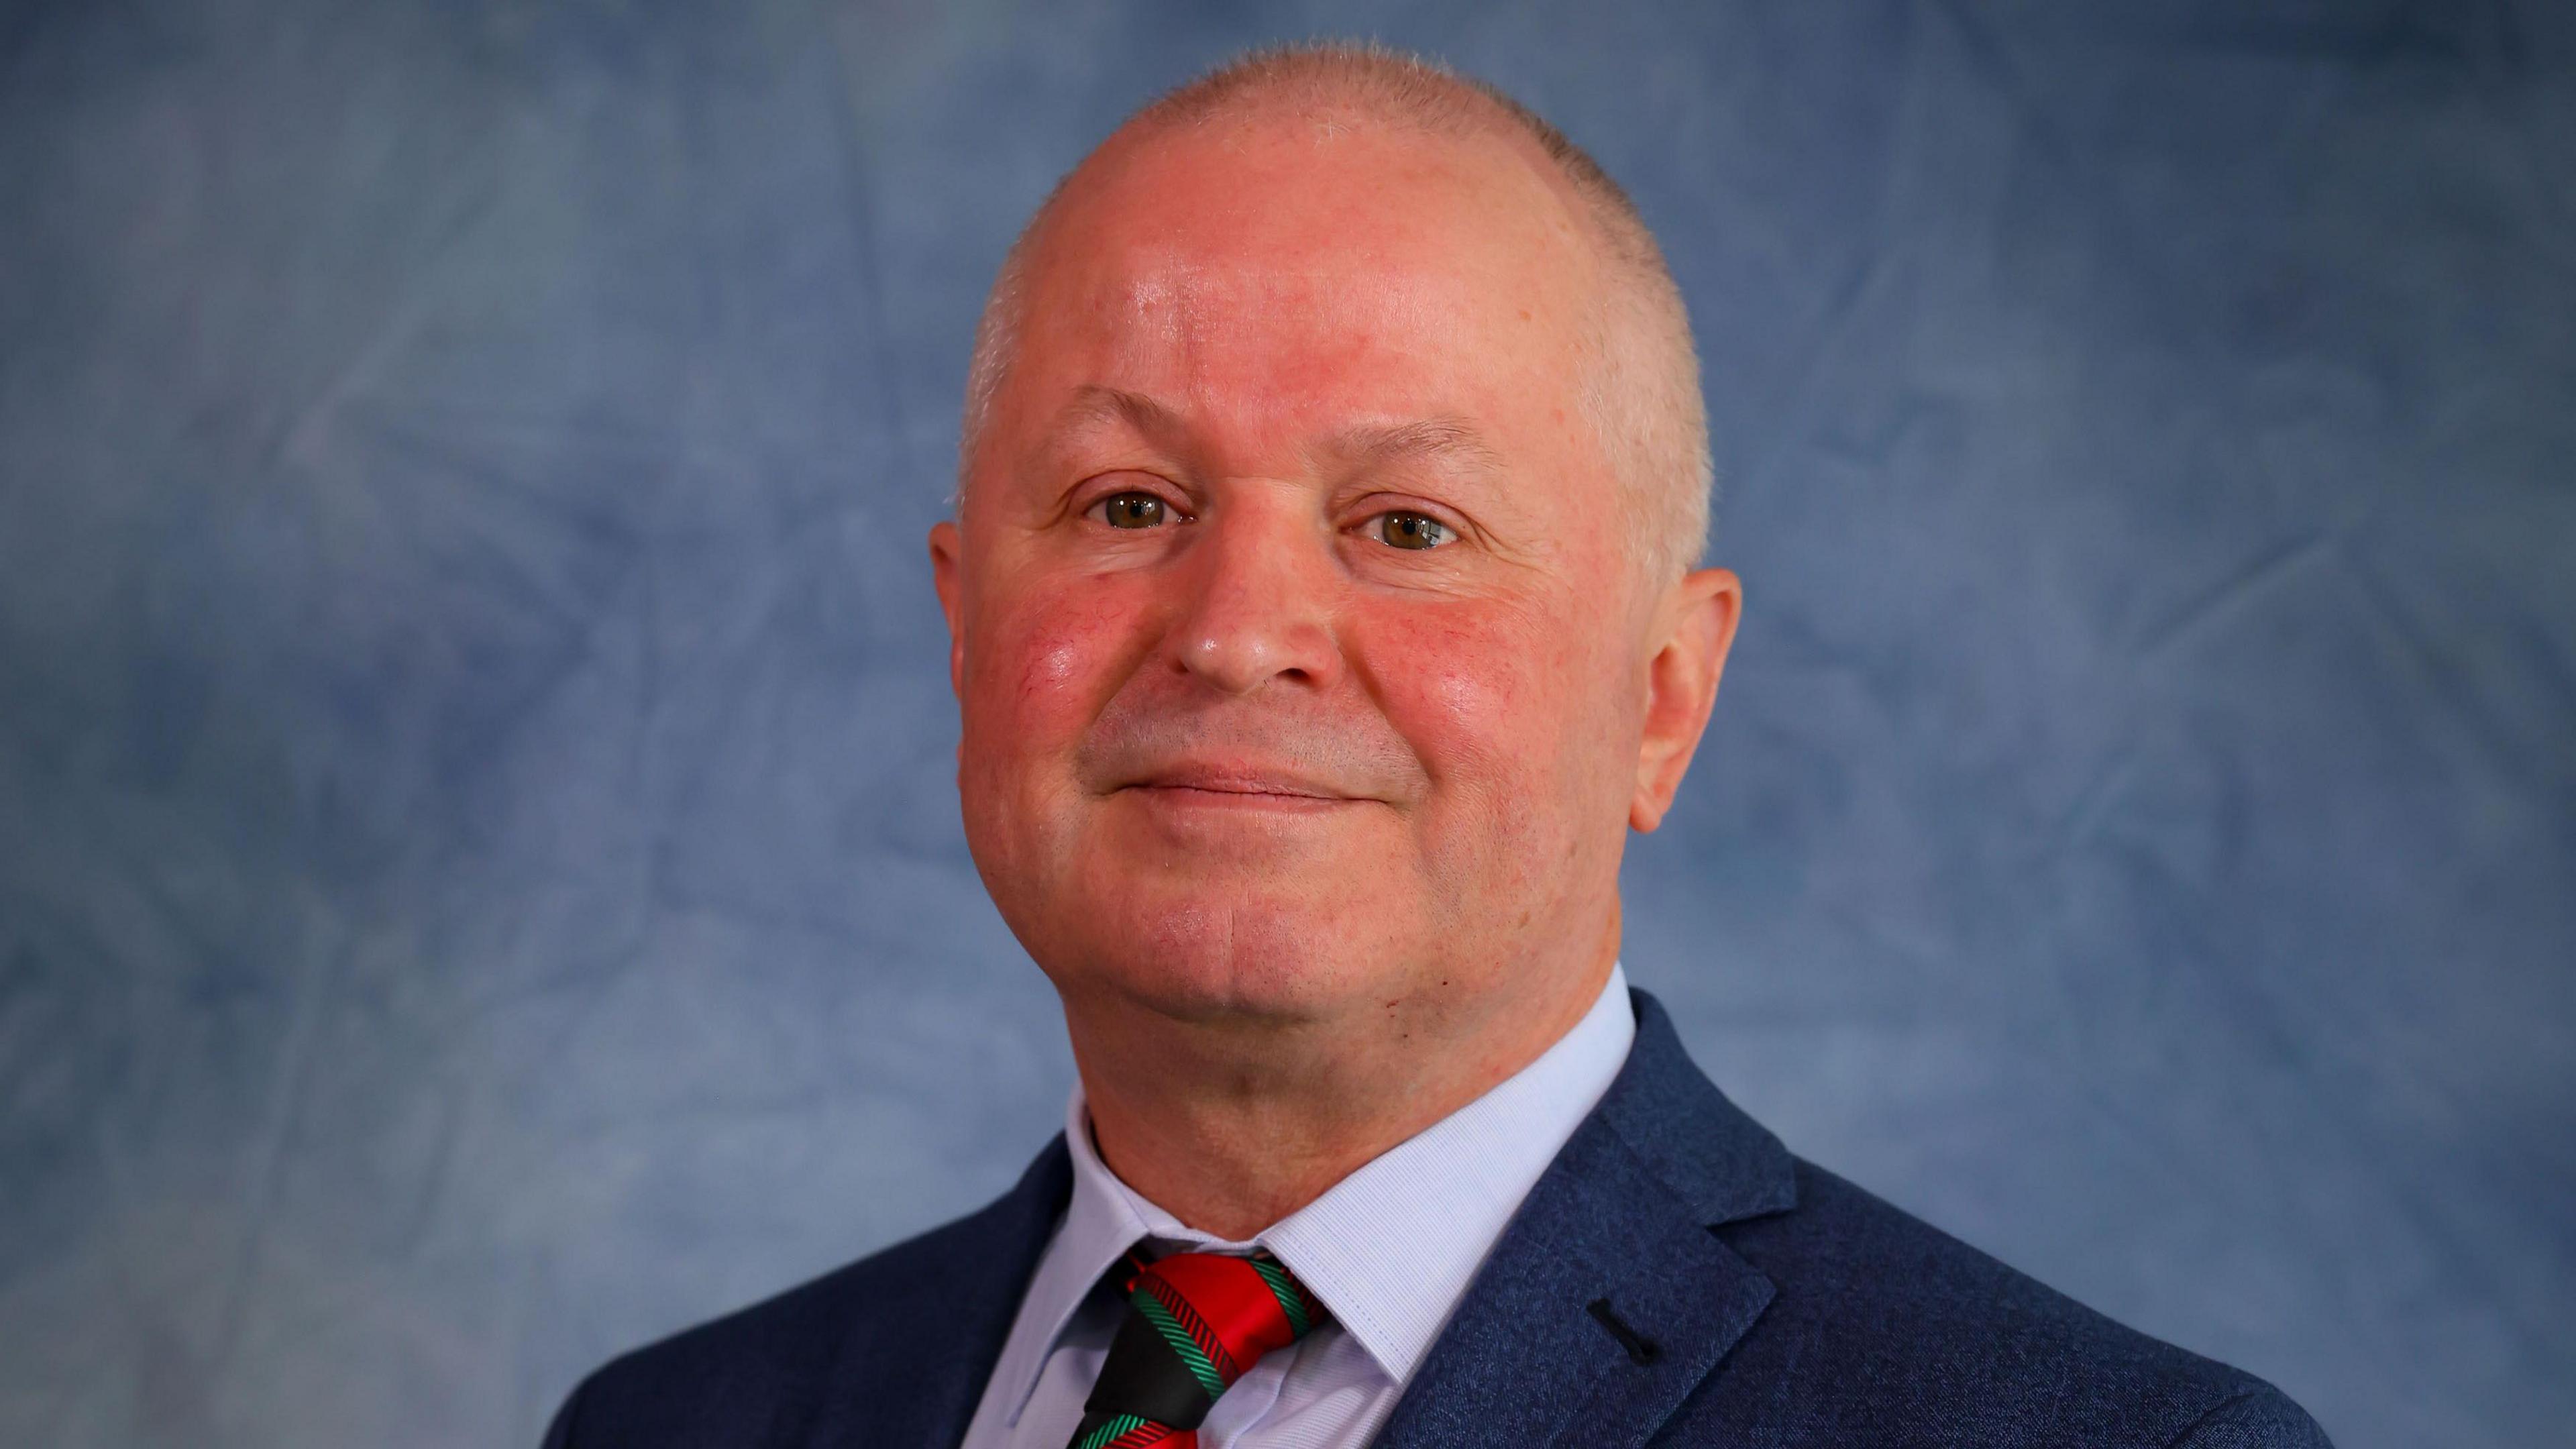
<point x="480" y="879"/>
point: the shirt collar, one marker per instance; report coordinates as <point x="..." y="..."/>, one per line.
<point x="1389" y="1249"/>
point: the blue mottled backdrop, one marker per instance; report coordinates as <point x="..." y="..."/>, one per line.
<point x="480" y="879"/>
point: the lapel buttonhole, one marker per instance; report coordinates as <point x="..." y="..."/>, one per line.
<point x="1641" y="1349"/>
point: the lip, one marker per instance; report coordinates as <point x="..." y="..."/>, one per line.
<point x="1238" y="787"/>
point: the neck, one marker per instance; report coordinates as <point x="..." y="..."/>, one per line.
<point x="1231" y="1125"/>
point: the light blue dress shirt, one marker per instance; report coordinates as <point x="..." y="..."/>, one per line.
<point x="1389" y="1249"/>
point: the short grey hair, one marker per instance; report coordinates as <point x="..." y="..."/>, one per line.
<point x="1642" y="392"/>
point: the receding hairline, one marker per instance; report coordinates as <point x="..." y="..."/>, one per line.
<point x="1642" y="391"/>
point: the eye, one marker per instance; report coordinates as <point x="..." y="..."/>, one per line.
<point x="1132" y="510"/>
<point x="1412" y="530"/>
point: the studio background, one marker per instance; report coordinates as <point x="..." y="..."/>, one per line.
<point x="480" y="877"/>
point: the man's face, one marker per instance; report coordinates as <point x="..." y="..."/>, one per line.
<point x="1300" y="656"/>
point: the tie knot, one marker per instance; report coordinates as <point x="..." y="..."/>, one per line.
<point x="1196" y="1322"/>
<point x="1225" y="1310"/>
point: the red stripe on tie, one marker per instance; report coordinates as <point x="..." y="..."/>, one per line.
<point x="1234" y="1299"/>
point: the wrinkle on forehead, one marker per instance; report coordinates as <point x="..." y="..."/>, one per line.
<point x="1170" y="296"/>
<point x="1159" y="308"/>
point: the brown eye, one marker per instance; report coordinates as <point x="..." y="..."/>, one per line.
<point x="1132" y="510"/>
<point x="1412" y="530"/>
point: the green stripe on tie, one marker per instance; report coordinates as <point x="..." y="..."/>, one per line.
<point x="1109" y="1429"/>
<point x="1191" y="1355"/>
<point x="1291" y="1302"/>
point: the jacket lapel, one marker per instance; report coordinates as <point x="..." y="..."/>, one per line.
<point x="917" y="1383"/>
<point x="1608" y="1299"/>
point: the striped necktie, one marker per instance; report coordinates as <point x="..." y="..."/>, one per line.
<point x="1195" y="1323"/>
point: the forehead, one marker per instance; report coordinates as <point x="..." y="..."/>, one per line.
<point x="1281" y="274"/>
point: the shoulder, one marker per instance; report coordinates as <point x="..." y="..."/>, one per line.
<point x="734" y="1379"/>
<point x="1885" y="1329"/>
<point x="899" y="1324"/>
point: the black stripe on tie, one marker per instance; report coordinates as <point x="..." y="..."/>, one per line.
<point x="1144" y="1377"/>
<point x="1641" y="1349"/>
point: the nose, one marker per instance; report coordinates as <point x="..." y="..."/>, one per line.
<point x="1262" y="589"/>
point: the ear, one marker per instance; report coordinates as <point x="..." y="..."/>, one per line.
<point x="946" y="546"/>
<point x="1694" y="628"/>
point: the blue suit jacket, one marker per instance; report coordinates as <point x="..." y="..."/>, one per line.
<point x="1770" y="1303"/>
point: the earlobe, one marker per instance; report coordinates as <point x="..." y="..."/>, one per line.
<point x="1697" y="629"/>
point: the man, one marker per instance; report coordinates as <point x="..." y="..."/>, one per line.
<point x="1322" y="615"/>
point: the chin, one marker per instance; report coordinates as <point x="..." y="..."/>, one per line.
<point x="1252" y="954"/>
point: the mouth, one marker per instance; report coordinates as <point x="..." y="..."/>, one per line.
<point x="1228" y="788"/>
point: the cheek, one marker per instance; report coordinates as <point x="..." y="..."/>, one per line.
<point x="1468" y="686"/>
<point x="1510" y="710"/>
<point x="1039" y="666"/>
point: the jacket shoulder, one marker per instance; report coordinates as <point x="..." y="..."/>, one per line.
<point x="916" y="1312"/>
<point x="1884" y="1329"/>
<point x="741" y="1378"/>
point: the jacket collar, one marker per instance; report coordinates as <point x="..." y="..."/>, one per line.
<point x="1723" y="1165"/>
<point x="1616" y="1232"/>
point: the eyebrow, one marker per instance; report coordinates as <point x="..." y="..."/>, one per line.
<point x="1451" y="440"/>
<point x="1359" y="446"/>
<point x="1094" y="404"/>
